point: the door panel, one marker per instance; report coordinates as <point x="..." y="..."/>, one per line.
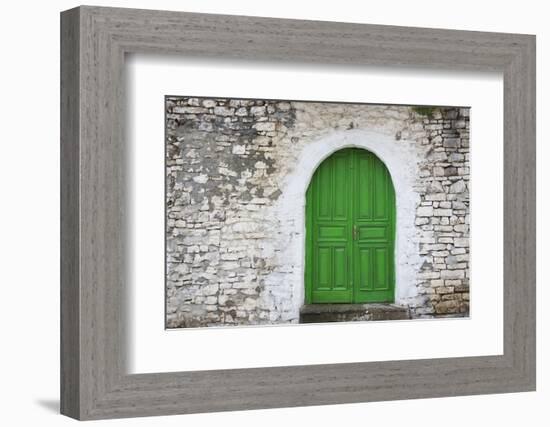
<point x="364" y="262"/>
<point x="374" y="232"/>
<point x="362" y="173"/>
<point x="323" y="271"/>
<point x="324" y="198"/>
<point x="380" y="268"/>
<point x="380" y="191"/>
<point x="333" y="232"/>
<point x="340" y="182"/>
<point x="350" y="221"/>
<point x="340" y="266"/>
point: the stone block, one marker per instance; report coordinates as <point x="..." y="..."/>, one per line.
<point x="433" y="247"/>
<point x="224" y="111"/>
<point x="258" y="111"/>
<point x="436" y="197"/>
<point x="459" y="266"/>
<point x="264" y="126"/>
<point x="422" y="221"/>
<point x="190" y="110"/>
<point x="238" y="149"/>
<point x="451" y="142"/>
<point x="451" y="297"/>
<point x="438" y="171"/>
<point x="464" y="306"/>
<point x="461" y="228"/>
<point x="457" y="251"/>
<point x="450" y="171"/>
<point x="447" y="307"/>
<point x="462" y="242"/>
<point x="456" y="157"/>
<point x="208" y="103"/>
<point x="211" y="300"/>
<point x="459" y="205"/>
<point x="426" y="275"/>
<point x="424" y="211"/>
<point x="283" y="106"/>
<point x="462" y="288"/>
<point x="457" y="187"/>
<point x="452" y="274"/>
<point x="241" y="112"/>
<point x="451" y="114"/>
<point x="459" y="124"/>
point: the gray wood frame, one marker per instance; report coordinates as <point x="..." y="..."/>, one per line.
<point x="94" y="382"/>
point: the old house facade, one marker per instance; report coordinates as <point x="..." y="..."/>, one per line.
<point x="284" y="211"/>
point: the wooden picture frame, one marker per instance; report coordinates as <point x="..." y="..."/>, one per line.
<point x="94" y="382"/>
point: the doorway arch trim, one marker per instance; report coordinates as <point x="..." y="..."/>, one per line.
<point x="403" y="164"/>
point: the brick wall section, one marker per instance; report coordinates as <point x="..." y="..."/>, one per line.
<point x="226" y="164"/>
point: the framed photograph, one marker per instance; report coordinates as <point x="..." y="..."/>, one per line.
<point x="262" y="213"/>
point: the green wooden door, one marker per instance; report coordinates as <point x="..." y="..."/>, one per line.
<point x="350" y="228"/>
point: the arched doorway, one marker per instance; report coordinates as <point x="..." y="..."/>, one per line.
<point x="350" y="230"/>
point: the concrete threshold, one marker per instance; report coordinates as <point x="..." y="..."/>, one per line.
<point x="320" y="313"/>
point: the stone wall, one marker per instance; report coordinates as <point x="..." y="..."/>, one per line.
<point x="236" y="172"/>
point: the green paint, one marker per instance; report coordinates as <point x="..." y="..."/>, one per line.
<point x="350" y="229"/>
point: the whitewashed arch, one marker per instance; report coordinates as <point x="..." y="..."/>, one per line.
<point x="402" y="162"/>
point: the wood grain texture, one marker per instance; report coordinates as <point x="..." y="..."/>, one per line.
<point x="70" y="297"/>
<point x="94" y="270"/>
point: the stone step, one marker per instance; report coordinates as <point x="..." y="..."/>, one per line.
<point x="321" y="313"/>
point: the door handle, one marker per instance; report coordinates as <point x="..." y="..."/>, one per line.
<point x="354" y="232"/>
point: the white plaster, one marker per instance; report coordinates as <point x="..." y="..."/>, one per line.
<point x="401" y="159"/>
